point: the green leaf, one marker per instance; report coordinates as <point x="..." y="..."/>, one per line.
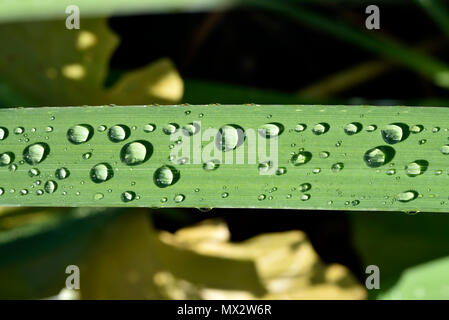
<point x="348" y="158"/>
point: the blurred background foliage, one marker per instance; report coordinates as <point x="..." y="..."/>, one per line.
<point x="222" y="51"/>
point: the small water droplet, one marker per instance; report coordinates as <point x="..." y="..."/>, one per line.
<point x="336" y="167"/>
<point x="179" y="198"/>
<point x="407" y="196"/>
<point x="280" y="171"/>
<point x="391" y="172"/>
<point x="435" y="129"/>
<point x="49" y="129"/>
<point x="98" y="196"/>
<point x="300" y="158"/>
<point x="170" y="128"/>
<point x="211" y="165"/>
<point x="24" y="192"/>
<point x="416" y="168"/>
<point x="445" y="149"/>
<point x="12" y="167"/>
<point x="438" y="172"/>
<point x="229" y="137"/>
<point x="149" y="127"/>
<point x="164" y="199"/>
<point x="371" y="128"/>
<point x="39" y="192"/>
<point x="271" y="130"/>
<point x="224" y="195"/>
<point x="87" y="155"/>
<point x="422" y="141"/>
<point x="316" y="170"/>
<point x="33" y="172"/>
<point x="101" y="128"/>
<point x="62" y="173"/>
<point x="376" y="157"/>
<point x="324" y="154"/>
<point x="80" y="133"/>
<point x="417" y="128"/>
<point x="6" y="158"/>
<point x="261" y="197"/>
<point x="3" y="133"/>
<point x="355" y="203"/>
<point x="305" y="197"/>
<point x="304" y="187"/>
<point x="19" y="130"/>
<point x="300" y="127"/>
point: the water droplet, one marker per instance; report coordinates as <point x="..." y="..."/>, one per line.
<point x="300" y="158"/>
<point x="128" y="196"/>
<point x="352" y="128"/>
<point x="80" y="133"/>
<point x="101" y="128"/>
<point x="224" y="195"/>
<point x="36" y="153"/>
<point x="355" y="202"/>
<point x="229" y="137"/>
<point x="261" y="197"/>
<point x="118" y="133"/>
<point x="211" y="165"/>
<point x="324" y="154"/>
<point x="304" y="197"/>
<point x="2" y="191"/>
<point x="416" y="168"/>
<point x="265" y="167"/>
<point x="304" y="187"/>
<point x="391" y="172"/>
<point x="136" y="153"/>
<point x="62" y="173"/>
<point x="320" y="128"/>
<point x="98" y="196"/>
<point x="33" y="172"/>
<point x="378" y="156"/>
<point x="371" y="128"/>
<point x="12" y="167"/>
<point x="438" y="172"/>
<point x="271" y="130"/>
<point x="435" y="129"/>
<point x="49" y="129"/>
<point x="190" y="129"/>
<point x="445" y="149"/>
<point x="416" y="128"/>
<point x="393" y="133"/>
<point x="280" y="171"/>
<point x="407" y="196"/>
<point x="101" y="172"/>
<point x="19" y="130"/>
<point x="165" y="176"/>
<point x="316" y="170"/>
<point x="3" y="133"/>
<point x="39" y="192"/>
<point x="336" y="167"/>
<point x="164" y="199"/>
<point x="179" y="198"/>
<point x="149" y="127"/>
<point x="170" y="128"/>
<point x="87" y="155"/>
<point x="24" y="192"/>
<point x="300" y="127"/>
<point x="6" y="158"/>
<point x="50" y="186"/>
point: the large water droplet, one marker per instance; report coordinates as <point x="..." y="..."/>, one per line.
<point x="3" y="133"/>
<point x="80" y="133"/>
<point x="300" y="158"/>
<point x="101" y="172"/>
<point x="407" y="196"/>
<point x="445" y="149"/>
<point x="352" y="128"/>
<point x="136" y="152"/>
<point x="62" y="173"/>
<point x="36" y="153"/>
<point x="229" y="137"/>
<point x="378" y="156"/>
<point x="394" y="133"/>
<point x="50" y="186"/>
<point x="118" y="133"/>
<point x="416" y="168"/>
<point x="271" y="130"/>
<point x="165" y="176"/>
